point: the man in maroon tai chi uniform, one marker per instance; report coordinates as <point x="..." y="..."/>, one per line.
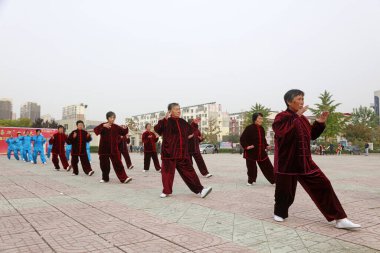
<point x="293" y="163"/>
<point x="78" y="139"/>
<point x="255" y="145"/>
<point x="194" y="151"/>
<point x="109" y="148"/>
<point x="58" y="141"/>
<point x="123" y="147"/>
<point x="175" y="154"/>
<point x="150" y="152"/>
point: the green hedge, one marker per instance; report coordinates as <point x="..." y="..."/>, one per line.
<point x="94" y="149"/>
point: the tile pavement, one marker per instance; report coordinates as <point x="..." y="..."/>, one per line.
<point x="42" y="210"/>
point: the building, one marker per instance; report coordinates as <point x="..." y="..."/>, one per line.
<point x="377" y="103"/>
<point x="71" y="114"/>
<point x="207" y="112"/>
<point x="30" y="110"/>
<point x="47" y="117"/>
<point x="74" y="112"/>
<point x="6" y="108"/>
<point x="237" y="123"/>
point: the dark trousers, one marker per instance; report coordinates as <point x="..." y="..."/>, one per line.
<point x="200" y="163"/>
<point x="319" y="188"/>
<point x="154" y="157"/>
<point x="127" y="158"/>
<point x="63" y="159"/>
<point x="105" y="166"/>
<point x="185" y="170"/>
<point x="266" y="168"/>
<point x="86" y="166"/>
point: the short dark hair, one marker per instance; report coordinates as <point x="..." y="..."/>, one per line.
<point x="110" y="114"/>
<point x="60" y="126"/>
<point x="171" y="105"/>
<point x="291" y="94"/>
<point x="79" y="121"/>
<point x="38" y="130"/>
<point x="256" y="115"/>
<point x="147" y="124"/>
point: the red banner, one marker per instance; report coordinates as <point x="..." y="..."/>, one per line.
<point x="6" y="132"/>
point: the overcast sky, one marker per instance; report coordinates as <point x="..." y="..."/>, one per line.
<point x="134" y="57"/>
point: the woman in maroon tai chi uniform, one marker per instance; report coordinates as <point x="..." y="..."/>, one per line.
<point x="255" y="145"/>
<point x="175" y="154"/>
<point x="124" y="151"/>
<point x="78" y="139"/>
<point x="293" y="163"/>
<point x="58" y="141"/>
<point x="150" y="152"/>
<point x="194" y="151"/>
<point x="109" y="148"/>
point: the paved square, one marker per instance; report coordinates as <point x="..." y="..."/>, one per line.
<point x="42" y="210"/>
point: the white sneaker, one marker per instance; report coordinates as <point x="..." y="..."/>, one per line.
<point x="91" y="173"/>
<point x="69" y="168"/>
<point x="73" y="174"/>
<point x="163" y="195"/>
<point x="248" y="184"/>
<point x="208" y="175"/>
<point x="346" y="224"/>
<point x="278" y="218"/>
<point x="145" y="171"/>
<point x="127" y="180"/>
<point x="205" y="192"/>
<point x="131" y="167"/>
<point x="102" y="181"/>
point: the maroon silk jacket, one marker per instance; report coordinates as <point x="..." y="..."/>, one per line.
<point x="78" y="143"/>
<point x="175" y="133"/>
<point x="123" y="144"/>
<point x="58" y="143"/>
<point x="292" y="143"/>
<point x="194" y="141"/>
<point x="149" y="143"/>
<point x="254" y="135"/>
<point x="109" y="138"/>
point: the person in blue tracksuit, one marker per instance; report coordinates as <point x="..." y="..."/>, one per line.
<point x="38" y="146"/>
<point x="88" y="151"/>
<point x="68" y="151"/>
<point x="27" y="146"/>
<point x="50" y="146"/>
<point x="11" y="148"/>
<point x="18" y="145"/>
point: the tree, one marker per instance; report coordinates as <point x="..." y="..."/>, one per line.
<point x="212" y="131"/>
<point x="364" y="115"/>
<point x="16" y="123"/>
<point x="336" y="120"/>
<point x="132" y="125"/>
<point x="40" y="123"/>
<point x="234" y="138"/>
<point x="358" y="134"/>
<point x="254" y="109"/>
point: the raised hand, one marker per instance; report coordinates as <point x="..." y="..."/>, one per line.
<point x="107" y="125"/>
<point x="167" y="115"/>
<point x="250" y="147"/>
<point x="197" y="120"/>
<point x="190" y="136"/>
<point x="323" y="117"/>
<point x="302" y="110"/>
<point x="75" y="135"/>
